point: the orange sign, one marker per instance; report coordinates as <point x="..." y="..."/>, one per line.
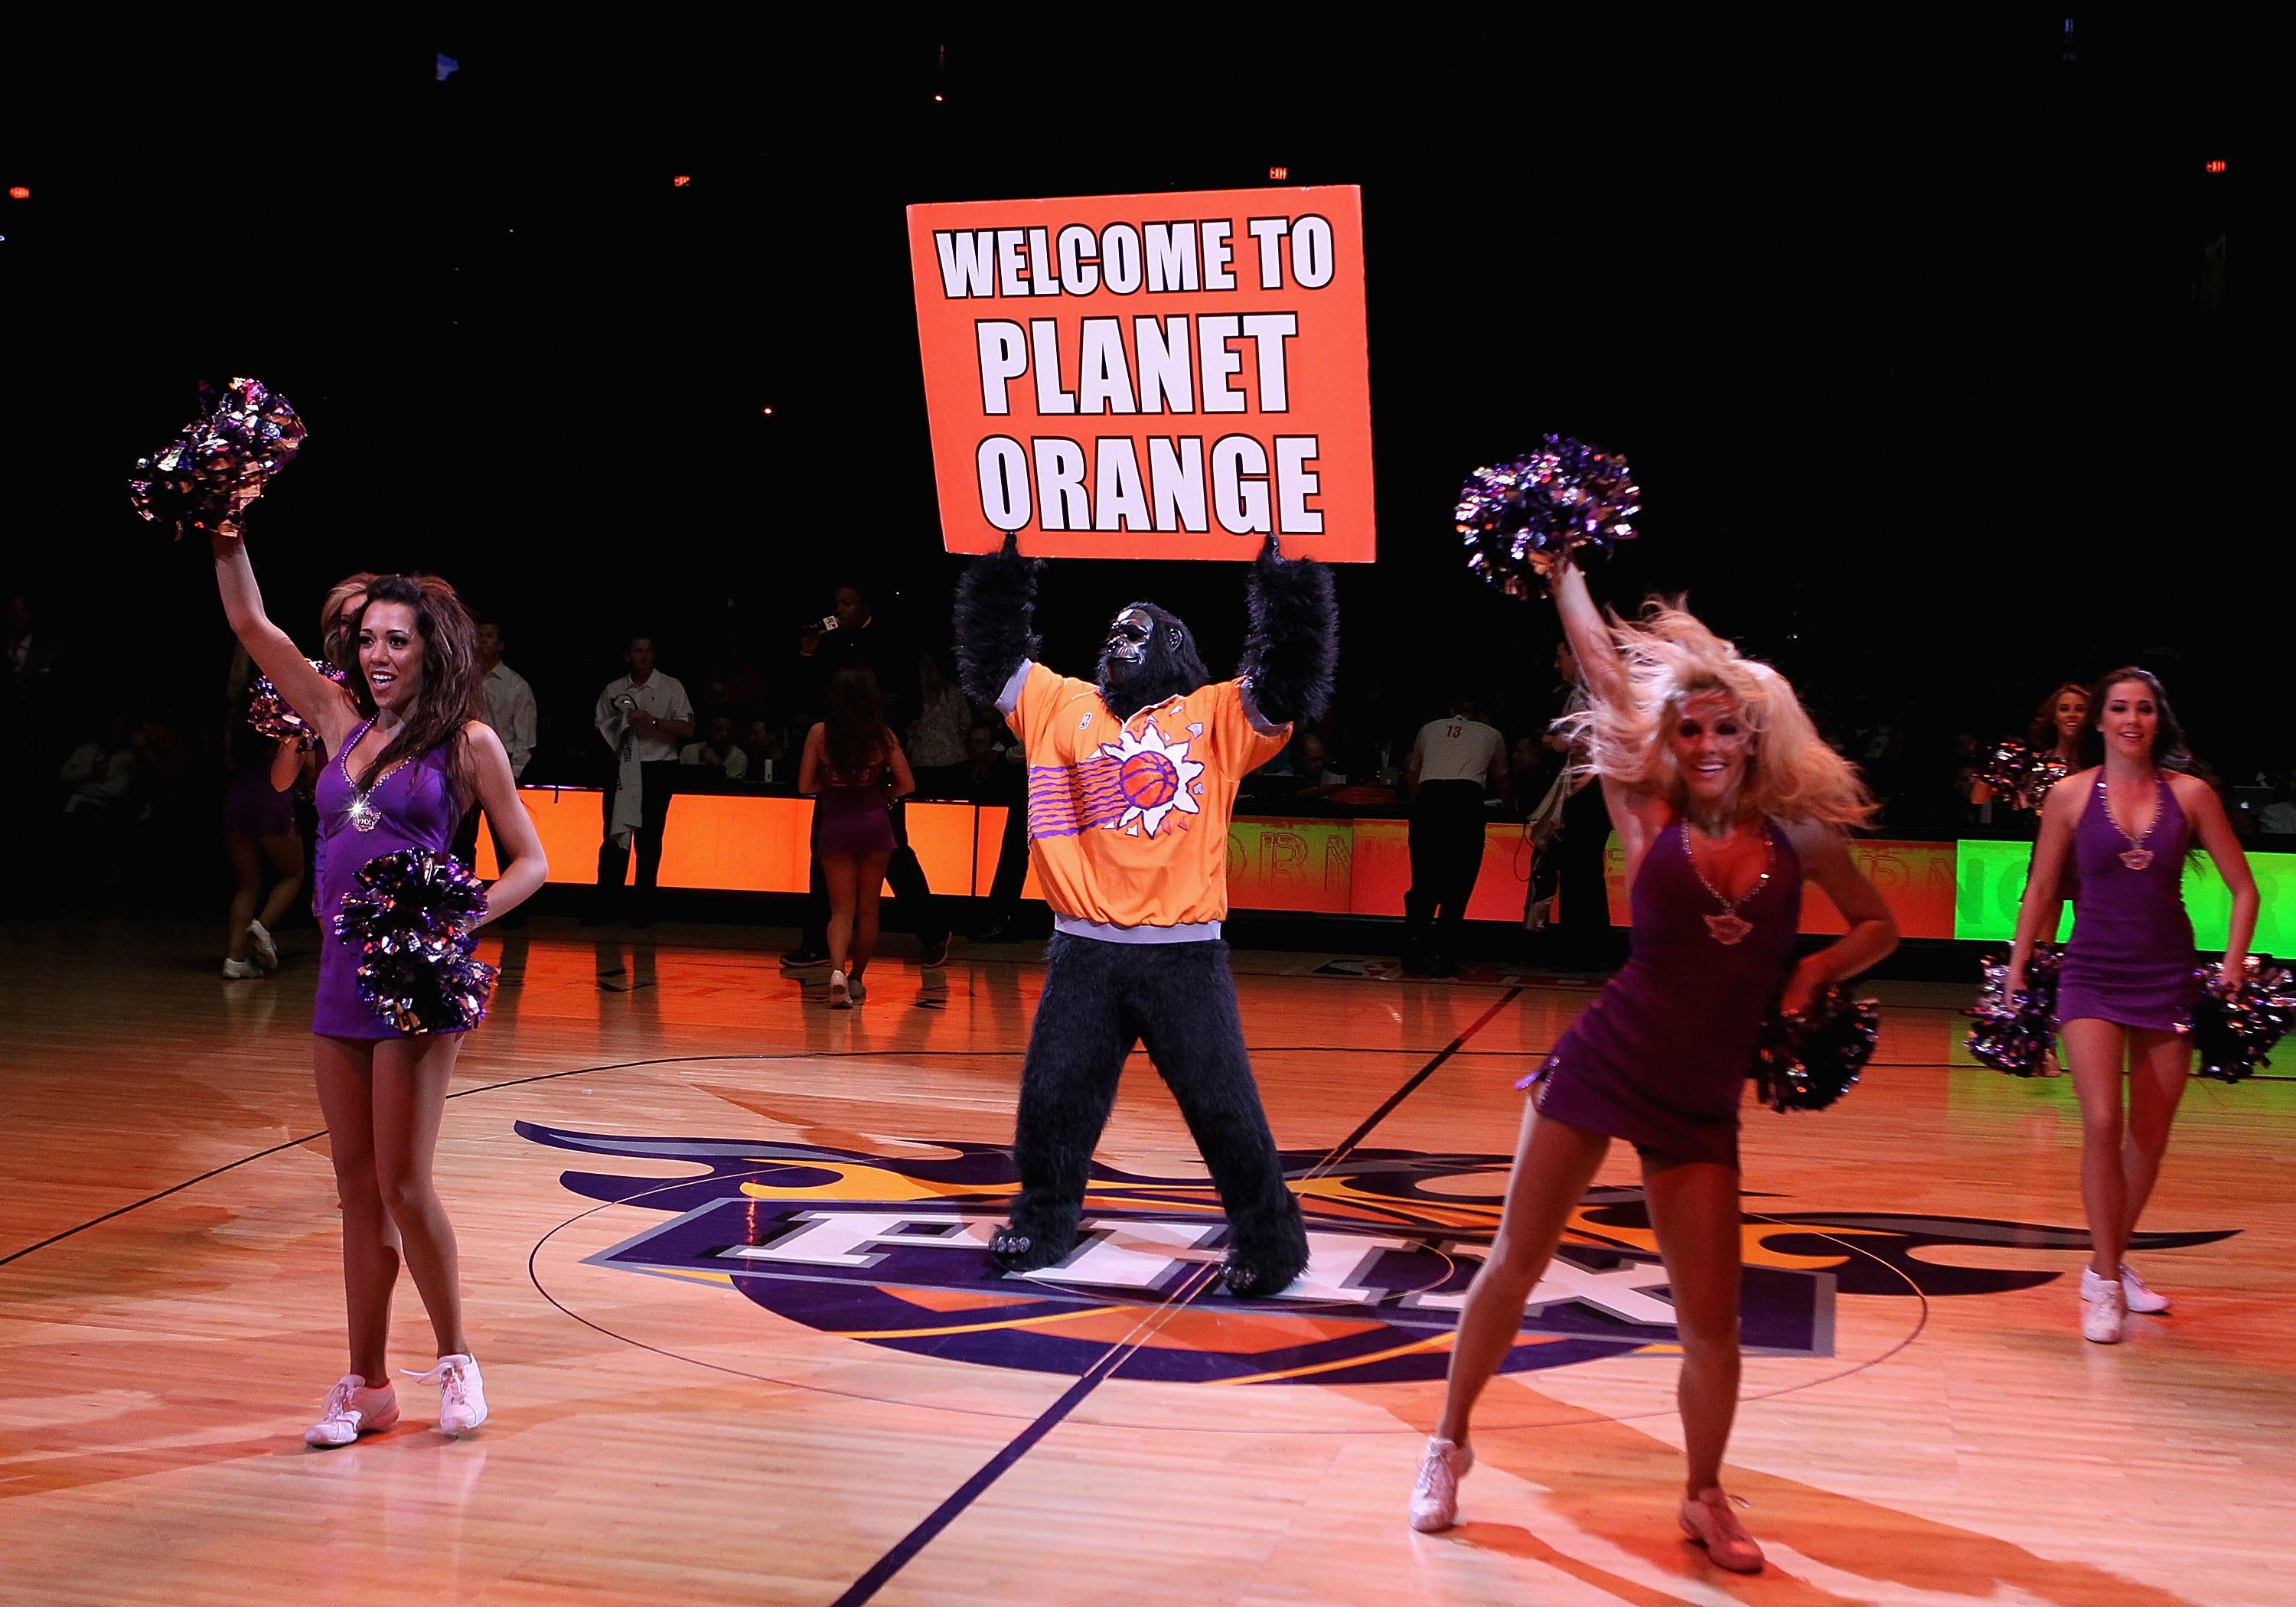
<point x="1149" y="376"/>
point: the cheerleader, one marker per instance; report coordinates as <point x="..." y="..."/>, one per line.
<point x="2119" y="833"/>
<point x="1726" y="801"/>
<point x="409" y="750"/>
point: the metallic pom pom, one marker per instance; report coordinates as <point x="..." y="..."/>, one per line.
<point x="1563" y="498"/>
<point x="220" y="461"/>
<point x="270" y="714"/>
<point x="2019" y="777"/>
<point x="2014" y="1034"/>
<point x="1807" y="1061"/>
<point x="2234" y="1027"/>
<point x="412" y="914"/>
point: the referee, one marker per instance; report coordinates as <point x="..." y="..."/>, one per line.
<point x="1451" y="762"/>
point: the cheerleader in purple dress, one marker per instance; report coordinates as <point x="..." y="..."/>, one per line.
<point x="2115" y="838"/>
<point x="1726" y="802"/>
<point x="853" y="767"/>
<point x="407" y="748"/>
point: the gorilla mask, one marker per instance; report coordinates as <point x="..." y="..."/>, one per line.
<point x="1150" y="658"/>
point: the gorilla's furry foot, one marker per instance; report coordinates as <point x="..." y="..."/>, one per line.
<point x="1263" y="1274"/>
<point x="1013" y="1251"/>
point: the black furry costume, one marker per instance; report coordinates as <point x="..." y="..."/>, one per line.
<point x="1103" y="994"/>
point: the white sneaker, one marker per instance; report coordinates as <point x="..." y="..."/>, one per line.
<point x="260" y="948"/>
<point x="462" y="1393"/>
<point x="353" y="1409"/>
<point x="2102" y="1322"/>
<point x="1435" y="1498"/>
<point x="239" y="971"/>
<point x="840" y="993"/>
<point x="2135" y="1294"/>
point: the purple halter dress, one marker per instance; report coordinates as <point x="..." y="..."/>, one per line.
<point x="415" y="808"/>
<point x="2130" y="958"/>
<point x="1661" y="1057"/>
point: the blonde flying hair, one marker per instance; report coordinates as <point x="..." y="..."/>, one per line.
<point x="1670" y="657"/>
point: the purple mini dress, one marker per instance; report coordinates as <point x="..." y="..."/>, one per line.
<point x="254" y="808"/>
<point x="852" y="818"/>
<point x="1661" y="1057"/>
<point x="2130" y="959"/>
<point x="415" y="808"/>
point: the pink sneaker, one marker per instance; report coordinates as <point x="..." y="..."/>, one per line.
<point x="1709" y="1521"/>
<point x="1435" y="1498"/>
<point x="462" y="1393"/>
<point x="353" y="1409"/>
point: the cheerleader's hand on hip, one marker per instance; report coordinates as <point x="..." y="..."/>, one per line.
<point x="1803" y="987"/>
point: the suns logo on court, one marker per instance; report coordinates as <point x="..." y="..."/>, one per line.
<point x="891" y="1249"/>
<point x="1155" y="776"/>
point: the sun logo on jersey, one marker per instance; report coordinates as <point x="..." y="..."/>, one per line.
<point x="1155" y="776"/>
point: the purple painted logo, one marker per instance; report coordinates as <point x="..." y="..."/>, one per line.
<point x="892" y="1250"/>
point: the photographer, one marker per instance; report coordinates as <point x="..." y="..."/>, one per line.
<point x="643" y="716"/>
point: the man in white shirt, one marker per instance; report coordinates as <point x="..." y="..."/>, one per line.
<point x="643" y="716"/>
<point x="1451" y="760"/>
<point x="511" y="711"/>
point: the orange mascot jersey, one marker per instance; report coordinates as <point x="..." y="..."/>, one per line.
<point x="1128" y="822"/>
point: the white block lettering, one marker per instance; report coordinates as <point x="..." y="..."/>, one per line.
<point x="1062" y="503"/>
<point x="1003" y="358"/>
<point x="967" y="262"/>
<point x="1003" y="470"/>
<point x="1164" y="366"/>
<point x="1216" y="362"/>
<point x="1103" y="378"/>
<point x="1239" y="483"/>
<point x="1044" y="348"/>
<point x="1176" y="474"/>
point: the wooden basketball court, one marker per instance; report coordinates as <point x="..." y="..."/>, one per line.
<point x="722" y="1252"/>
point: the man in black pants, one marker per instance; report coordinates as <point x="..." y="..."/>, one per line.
<point x="1450" y="761"/>
<point x="850" y="634"/>
<point x="643" y="716"/>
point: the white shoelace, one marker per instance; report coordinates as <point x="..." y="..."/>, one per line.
<point x="448" y="1374"/>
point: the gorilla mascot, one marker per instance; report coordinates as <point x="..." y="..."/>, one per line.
<point x="1130" y="782"/>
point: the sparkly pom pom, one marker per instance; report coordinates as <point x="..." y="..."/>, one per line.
<point x="412" y="914"/>
<point x="1544" y="506"/>
<point x="2014" y="1034"/>
<point x="270" y="714"/>
<point x="1807" y="1061"/>
<point x="220" y="461"/>
<point x="2019" y="777"/>
<point x="2234" y="1028"/>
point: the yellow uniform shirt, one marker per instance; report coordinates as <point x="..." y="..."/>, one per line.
<point x="1128" y="821"/>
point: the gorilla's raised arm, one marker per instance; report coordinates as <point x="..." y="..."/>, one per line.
<point x="1294" y="645"/>
<point x="996" y="616"/>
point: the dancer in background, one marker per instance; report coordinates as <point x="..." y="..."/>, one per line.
<point x="258" y="827"/>
<point x="1725" y="801"/>
<point x="2126" y="987"/>
<point x="409" y="749"/>
<point x="853" y="767"/>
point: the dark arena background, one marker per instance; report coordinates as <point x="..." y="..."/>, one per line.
<point x="1945" y="384"/>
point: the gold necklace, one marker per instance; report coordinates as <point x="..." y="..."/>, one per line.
<point x="1729" y="927"/>
<point x="361" y="811"/>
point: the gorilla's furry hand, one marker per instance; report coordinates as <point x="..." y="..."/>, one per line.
<point x="1293" y="648"/>
<point x="996" y="616"/>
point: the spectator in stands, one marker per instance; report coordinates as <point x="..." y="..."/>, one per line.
<point x="510" y="710"/>
<point x="1311" y="770"/>
<point x="761" y="745"/>
<point x="1451" y="760"/>
<point x="643" y="716"/>
<point x="2279" y="818"/>
<point x="717" y="751"/>
<point x="937" y="736"/>
<point x="101" y="802"/>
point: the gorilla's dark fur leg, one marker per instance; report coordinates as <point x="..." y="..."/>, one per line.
<point x="1184" y="1001"/>
<point x="995" y="621"/>
<point x="1077" y="1047"/>
<point x="1293" y="648"/>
